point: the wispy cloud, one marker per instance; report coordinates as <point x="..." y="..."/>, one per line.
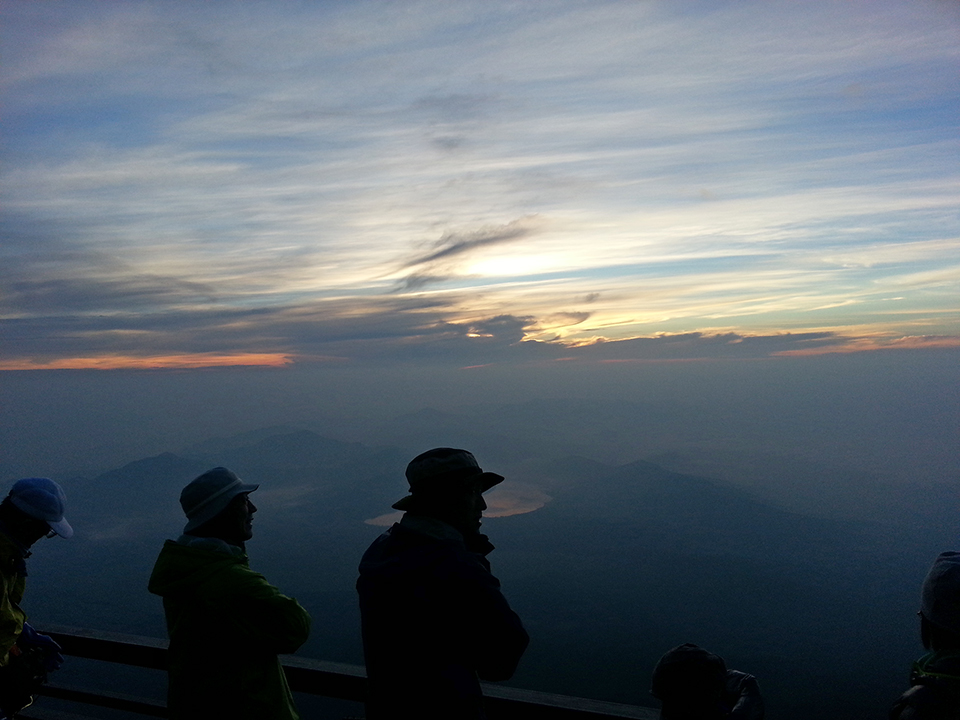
<point x="453" y="243"/>
<point x="437" y="263"/>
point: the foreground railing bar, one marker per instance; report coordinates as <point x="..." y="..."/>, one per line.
<point x="341" y="681"/>
<point x="504" y="703"/>
<point x="329" y="679"/>
<point x="35" y="712"/>
<point x="106" y="699"/>
<point x="135" y="650"/>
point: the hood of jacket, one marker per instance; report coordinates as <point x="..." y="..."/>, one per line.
<point x="941" y="664"/>
<point x="181" y="567"/>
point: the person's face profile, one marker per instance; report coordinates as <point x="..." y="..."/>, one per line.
<point x="466" y="511"/>
<point x="33" y="530"/>
<point x="240" y="513"/>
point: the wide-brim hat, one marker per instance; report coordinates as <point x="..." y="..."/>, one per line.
<point x="42" y="499"/>
<point x="209" y="494"/>
<point x="444" y="470"/>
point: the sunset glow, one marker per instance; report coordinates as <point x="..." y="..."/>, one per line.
<point x="145" y="363"/>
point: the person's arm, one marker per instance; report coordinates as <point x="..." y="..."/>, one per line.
<point x="267" y="617"/>
<point x="499" y="637"/>
<point x="11" y="618"/>
<point x="50" y="649"/>
<point x="744" y="693"/>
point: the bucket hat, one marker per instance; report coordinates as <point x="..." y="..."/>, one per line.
<point x="209" y="494"/>
<point x="442" y="470"/>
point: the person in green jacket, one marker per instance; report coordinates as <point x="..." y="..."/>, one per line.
<point x="226" y="623"/>
<point x="934" y="692"/>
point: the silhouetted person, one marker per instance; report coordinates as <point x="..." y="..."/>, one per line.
<point x="694" y="684"/>
<point x="433" y="617"/>
<point x="935" y="678"/>
<point x="32" y="510"/>
<point x="226" y="623"/>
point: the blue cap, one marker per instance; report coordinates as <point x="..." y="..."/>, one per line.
<point x="42" y="499"/>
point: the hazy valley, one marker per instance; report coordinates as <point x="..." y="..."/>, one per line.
<point x="608" y="564"/>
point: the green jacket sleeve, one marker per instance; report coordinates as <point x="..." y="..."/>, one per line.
<point x="11" y="616"/>
<point x="267" y="618"/>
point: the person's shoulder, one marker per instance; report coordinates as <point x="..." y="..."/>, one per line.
<point x="402" y="545"/>
<point x="236" y="581"/>
<point x="181" y="566"/>
<point x="404" y="551"/>
<point x="929" y="699"/>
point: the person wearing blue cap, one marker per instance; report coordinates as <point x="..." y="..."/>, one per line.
<point x="433" y="619"/>
<point x="226" y="623"/>
<point x="32" y="510"/>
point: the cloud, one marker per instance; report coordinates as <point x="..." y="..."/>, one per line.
<point x="866" y="344"/>
<point x="454" y="244"/>
<point x="191" y="361"/>
<point x="30" y="296"/>
<point x="417" y="281"/>
<point x="422" y="331"/>
<point x="261" y="182"/>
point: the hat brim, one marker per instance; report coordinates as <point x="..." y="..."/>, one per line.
<point x="489" y="479"/>
<point x="486" y="480"/>
<point x="62" y="528"/>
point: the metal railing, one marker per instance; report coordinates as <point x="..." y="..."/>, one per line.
<point x="316" y="677"/>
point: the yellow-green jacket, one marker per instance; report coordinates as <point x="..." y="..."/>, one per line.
<point x="12" y="574"/>
<point x="226" y="625"/>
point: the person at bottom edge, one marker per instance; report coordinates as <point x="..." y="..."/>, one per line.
<point x="694" y="684"/>
<point x="226" y="623"/>
<point x="935" y="678"/>
<point x="433" y="618"/>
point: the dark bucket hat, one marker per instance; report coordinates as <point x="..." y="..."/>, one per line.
<point x="442" y="470"/>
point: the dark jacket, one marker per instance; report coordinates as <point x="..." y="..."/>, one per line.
<point x="226" y="625"/>
<point x="935" y="691"/>
<point x="434" y="621"/>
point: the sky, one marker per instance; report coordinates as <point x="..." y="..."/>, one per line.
<point x="200" y="184"/>
<point x="719" y="235"/>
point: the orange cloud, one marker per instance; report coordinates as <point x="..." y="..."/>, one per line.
<point x="866" y="344"/>
<point x="126" y="362"/>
